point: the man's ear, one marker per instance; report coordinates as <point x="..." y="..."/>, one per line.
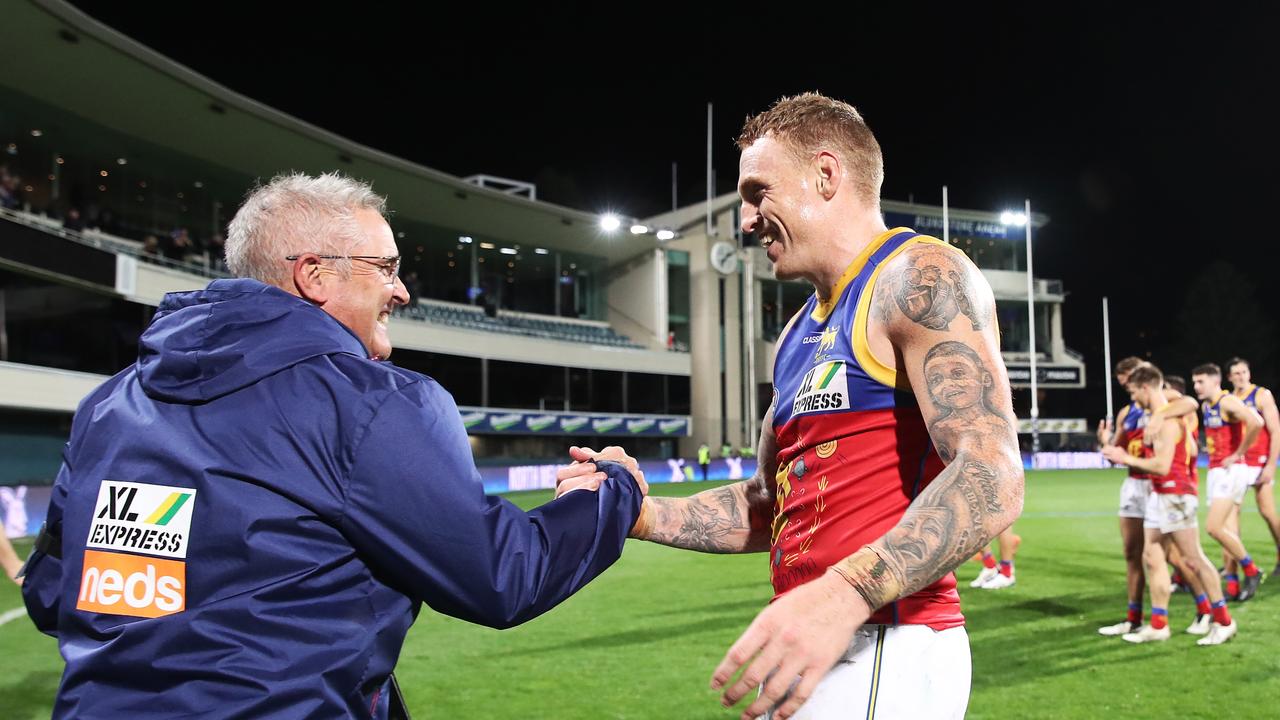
<point x="827" y="167"/>
<point x="312" y="279"/>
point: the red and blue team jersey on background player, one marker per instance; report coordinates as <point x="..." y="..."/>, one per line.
<point x="1222" y="436"/>
<point x="853" y="448"/>
<point x="1183" y="478"/>
<point x="1261" y="450"/>
<point x="1132" y="420"/>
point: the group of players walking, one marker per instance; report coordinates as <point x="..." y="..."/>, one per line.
<point x="1157" y="436"/>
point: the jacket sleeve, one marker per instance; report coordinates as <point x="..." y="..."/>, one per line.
<point x="42" y="581"/>
<point x="417" y="513"/>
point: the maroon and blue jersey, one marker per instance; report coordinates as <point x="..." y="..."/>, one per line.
<point x="854" y="450"/>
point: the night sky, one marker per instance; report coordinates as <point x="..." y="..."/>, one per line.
<point x="1149" y="138"/>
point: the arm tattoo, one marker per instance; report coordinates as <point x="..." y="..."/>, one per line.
<point x="965" y="506"/>
<point x="722" y="520"/>
<point x="933" y="289"/>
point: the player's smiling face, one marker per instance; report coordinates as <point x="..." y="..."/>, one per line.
<point x="777" y="205"/>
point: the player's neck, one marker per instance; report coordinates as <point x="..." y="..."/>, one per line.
<point x="847" y="240"/>
<point x="1243" y="390"/>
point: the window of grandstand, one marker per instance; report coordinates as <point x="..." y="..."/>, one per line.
<point x="87" y="176"/>
<point x="678" y="300"/>
<point x="31" y="445"/>
<point x="80" y="175"/>
<point x="779" y="301"/>
<point x="454" y="265"/>
<point x="64" y="327"/>
<point x="527" y="386"/>
<point x="994" y="253"/>
<point x="1014" y="337"/>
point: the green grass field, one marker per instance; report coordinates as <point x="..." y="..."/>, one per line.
<point x="641" y="641"/>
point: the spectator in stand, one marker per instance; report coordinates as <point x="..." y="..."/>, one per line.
<point x="73" y="221"/>
<point x="180" y="245"/>
<point x="9" y="195"/>
<point x="151" y="246"/>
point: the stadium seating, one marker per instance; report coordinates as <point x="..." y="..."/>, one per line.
<point x="469" y="317"/>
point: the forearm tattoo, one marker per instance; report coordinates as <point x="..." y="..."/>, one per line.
<point x="966" y="505"/>
<point x="868" y="573"/>
<point x="716" y="521"/>
<point x="935" y="287"/>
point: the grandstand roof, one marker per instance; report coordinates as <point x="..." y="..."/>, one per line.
<point x="61" y="57"/>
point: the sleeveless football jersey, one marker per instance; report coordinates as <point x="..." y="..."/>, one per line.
<point x="1257" y="455"/>
<point x="853" y="448"/>
<point x="1222" y="436"/>
<point x="1182" y="478"/>
<point x="1131" y="421"/>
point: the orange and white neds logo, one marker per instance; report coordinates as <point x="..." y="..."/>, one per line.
<point x="137" y="518"/>
<point x="120" y="584"/>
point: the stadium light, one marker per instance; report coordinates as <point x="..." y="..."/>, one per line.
<point x="609" y="222"/>
<point x="665" y="235"/>
<point x="508" y="251"/>
<point x="639" y="229"/>
<point x="540" y="251"/>
<point x="464" y="239"/>
<point x="1013" y="218"/>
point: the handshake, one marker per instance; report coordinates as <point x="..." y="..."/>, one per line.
<point x="582" y="474"/>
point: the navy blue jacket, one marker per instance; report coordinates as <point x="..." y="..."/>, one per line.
<point x="311" y="497"/>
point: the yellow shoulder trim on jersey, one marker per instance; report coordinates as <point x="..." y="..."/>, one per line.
<point x="881" y="372"/>
<point x="821" y="310"/>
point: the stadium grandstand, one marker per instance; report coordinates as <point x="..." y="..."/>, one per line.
<point x="117" y="181"/>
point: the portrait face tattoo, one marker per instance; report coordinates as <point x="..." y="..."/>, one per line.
<point x="955" y="382"/>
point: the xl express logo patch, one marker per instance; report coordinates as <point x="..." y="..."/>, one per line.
<point x="131" y="518"/>
<point x="823" y="388"/>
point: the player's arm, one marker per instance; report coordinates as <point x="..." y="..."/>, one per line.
<point x="805" y="631"/>
<point x="1163" y="443"/>
<point x="980" y="492"/>
<point x="1236" y="411"/>
<point x="1109" y="431"/>
<point x="1271" y="419"/>
<point x="730" y="519"/>
<point x="1178" y="406"/>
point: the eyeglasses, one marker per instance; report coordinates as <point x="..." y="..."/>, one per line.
<point x="388" y="265"/>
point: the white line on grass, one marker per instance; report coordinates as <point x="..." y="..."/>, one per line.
<point x="9" y="616"/>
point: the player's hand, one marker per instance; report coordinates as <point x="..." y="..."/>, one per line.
<point x="794" y="642"/>
<point x="1115" y="455"/>
<point x="1267" y="476"/>
<point x="1104" y="432"/>
<point x="612" y="453"/>
<point x="1232" y="459"/>
<point x="578" y="476"/>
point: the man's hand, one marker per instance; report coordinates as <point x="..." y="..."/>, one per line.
<point x="1267" y="476"/>
<point x="578" y="476"/>
<point x="612" y="453"/>
<point x="798" y="637"/>
<point x="1233" y="458"/>
<point x="1115" y="455"/>
<point x="1104" y="432"/>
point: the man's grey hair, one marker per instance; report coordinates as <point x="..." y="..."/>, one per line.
<point x="295" y="214"/>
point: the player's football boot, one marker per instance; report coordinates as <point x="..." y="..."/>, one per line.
<point x="1218" y="634"/>
<point x="1146" y="633"/>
